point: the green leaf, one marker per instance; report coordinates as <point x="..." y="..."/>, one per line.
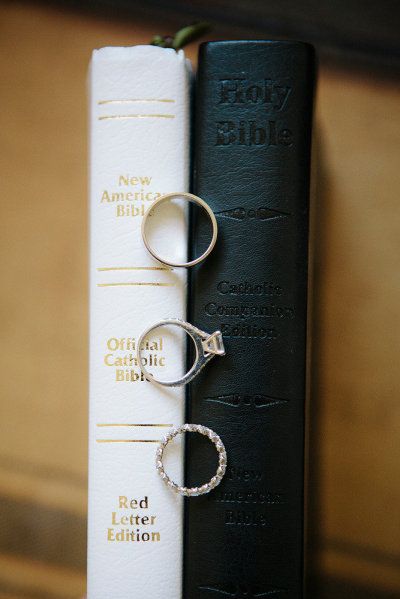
<point x="183" y="37"/>
<point x="189" y="34"/>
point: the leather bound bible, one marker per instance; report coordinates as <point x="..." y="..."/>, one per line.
<point x="139" y="148"/>
<point x="252" y="165"/>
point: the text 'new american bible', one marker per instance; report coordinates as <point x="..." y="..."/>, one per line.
<point x="251" y="164"/>
<point x="251" y="160"/>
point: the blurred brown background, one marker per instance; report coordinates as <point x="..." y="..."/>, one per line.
<point x="354" y="515"/>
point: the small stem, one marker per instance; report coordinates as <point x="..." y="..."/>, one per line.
<point x="184" y="36"/>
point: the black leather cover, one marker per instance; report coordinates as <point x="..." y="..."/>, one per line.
<point x="251" y="161"/>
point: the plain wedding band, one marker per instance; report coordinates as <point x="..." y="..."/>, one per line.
<point x="189" y="197"/>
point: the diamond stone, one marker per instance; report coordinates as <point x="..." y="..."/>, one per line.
<point x="214" y="344"/>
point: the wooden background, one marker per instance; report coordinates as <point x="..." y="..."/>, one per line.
<point x="355" y="410"/>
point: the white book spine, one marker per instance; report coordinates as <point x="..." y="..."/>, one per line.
<point x="139" y="149"/>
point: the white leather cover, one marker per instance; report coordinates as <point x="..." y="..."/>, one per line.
<point x="139" y="148"/>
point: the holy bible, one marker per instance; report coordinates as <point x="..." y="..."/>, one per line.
<point x="139" y="149"/>
<point x="251" y="164"/>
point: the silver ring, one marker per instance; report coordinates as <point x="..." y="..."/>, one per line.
<point x="207" y="346"/>
<point x="190" y="198"/>
<point x="222" y="460"/>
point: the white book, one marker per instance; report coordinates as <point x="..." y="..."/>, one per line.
<point x="139" y="149"/>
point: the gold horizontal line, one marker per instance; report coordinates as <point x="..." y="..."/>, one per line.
<point x="109" y="268"/>
<point x="128" y="101"/>
<point x="123" y="424"/>
<point x="135" y="284"/>
<point x="128" y="440"/>
<point x="136" y="116"/>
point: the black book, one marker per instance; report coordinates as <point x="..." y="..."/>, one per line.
<point x="252" y="165"/>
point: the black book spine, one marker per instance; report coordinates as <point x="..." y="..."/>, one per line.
<point x="251" y="164"/>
